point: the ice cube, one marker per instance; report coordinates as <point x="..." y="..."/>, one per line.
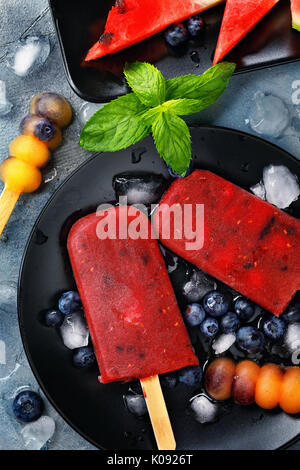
<point x="87" y="110"/>
<point x="203" y="409"/>
<point x="139" y="188"/>
<point x="10" y="437"/>
<point x="136" y="404"/>
<point x="10" y="340"/>
<point x="259" y="190"/>
<point x="36" y="434"/>
<point x="5" y="105"/>
<point x="282" y="187"/>
<point x="223" y="343"/>
<point x="74" y="331"/>
<point x="8" y="296"/>
<point x="28" y="54"/>
<point x="270" y="116"/>
<point x="291" y="340"/>
<point x="198" y="286"/>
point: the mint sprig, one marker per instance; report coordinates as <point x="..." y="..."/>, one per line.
<point x="154" y="106"/>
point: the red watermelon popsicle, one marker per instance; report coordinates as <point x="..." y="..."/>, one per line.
<point x="134" y="320"/>
<point x="249" y="244"/>
<point x="132" y="21"/>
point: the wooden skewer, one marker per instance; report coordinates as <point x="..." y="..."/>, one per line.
<point x="158" y="413"/>
<point x="8" y="200"/>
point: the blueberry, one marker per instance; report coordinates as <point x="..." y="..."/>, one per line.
<point x="176" y="35"/>
<point x="273" y="327"/>
<point x="170" y="380"/>
<point x="84" y="358"/>
<point x="244" y="308"/>
<point x="190" y="376"/>
<point x="173" y="173"/>
<point x="209" y="327"/>
<point x="69" y="302"/>
<point x="54" y="318"/>
<point x="292" y="313"/>
<point x="195" y="26"/>
<point x="230" y="323"/>
<point x="28" y="406"/>
<point x="216" y="303"/>
<point x="250" y="340"/>
<point x="39" y="127"/>
<point x="194" y="314"/>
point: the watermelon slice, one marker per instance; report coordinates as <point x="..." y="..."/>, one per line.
<point x="295" y="6"/>
<point x="132" y="21"/>
<point x="239" y="18"/>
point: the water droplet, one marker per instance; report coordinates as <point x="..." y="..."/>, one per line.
<point x="195" y="57"/>
<point x="136" y="154"/>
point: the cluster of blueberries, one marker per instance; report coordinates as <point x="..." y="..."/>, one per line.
<point x="219" y="313"/>
<point x="179" y="33"/>
<point x="69" y="303"/>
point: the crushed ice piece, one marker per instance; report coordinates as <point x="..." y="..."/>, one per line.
<point x="172" y="267"/>
<point x="28" y="54"/>
<point x="2" y="352"/>
<point x="36" y="434"/>
<point x="296" y="124"/>
<point x="170" y="259"/>
<point x="270" y="116"/>
<point x="291" y="339"/>
<point x="50" y="175"/>
<point x="5" y="105"/>
<point x="136" y="404"/>
<point x="282" y="187"/>
<point x="10" y="439"/>
<point x="259" y="190"/>
<point x="139" y="188"/>
<point x="223" y="343"/>
<point x="198" y="286"/>
<point x="74" y="331"/>
<point x="8" y="296"/>
<point x="203" y="409"/>
<point x="87" y="110"/>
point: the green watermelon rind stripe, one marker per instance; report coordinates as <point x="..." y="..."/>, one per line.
<point x="296" y="24"/>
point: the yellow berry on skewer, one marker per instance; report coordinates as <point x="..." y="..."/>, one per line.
<point x="40" y="133"/>
<point x="53" y="107"/>
<point x="18" y="177"/>
<point x="29" y="150"/>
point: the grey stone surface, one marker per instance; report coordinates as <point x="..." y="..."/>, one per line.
<point x="19" y="18"/>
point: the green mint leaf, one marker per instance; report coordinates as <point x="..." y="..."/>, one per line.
<point x="183" y="107"/>
<point x="178" y="107"/>
<point x="173" y="141"/>
<point x="206" y="88"/>
<point x="115" y="126"/>
<point x="147" y="82"/>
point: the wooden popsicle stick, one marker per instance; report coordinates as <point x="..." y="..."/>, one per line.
<point x="8" y="200"/>
<point x="158" y="413"/>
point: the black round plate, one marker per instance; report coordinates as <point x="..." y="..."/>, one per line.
<point x="97" y="411"/>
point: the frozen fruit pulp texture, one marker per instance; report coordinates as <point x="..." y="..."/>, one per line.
<point x="134" y="320"/>
<point x="239" y="18"/>
<point x="134" y="21"/>
<point x="249" y="244"/>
